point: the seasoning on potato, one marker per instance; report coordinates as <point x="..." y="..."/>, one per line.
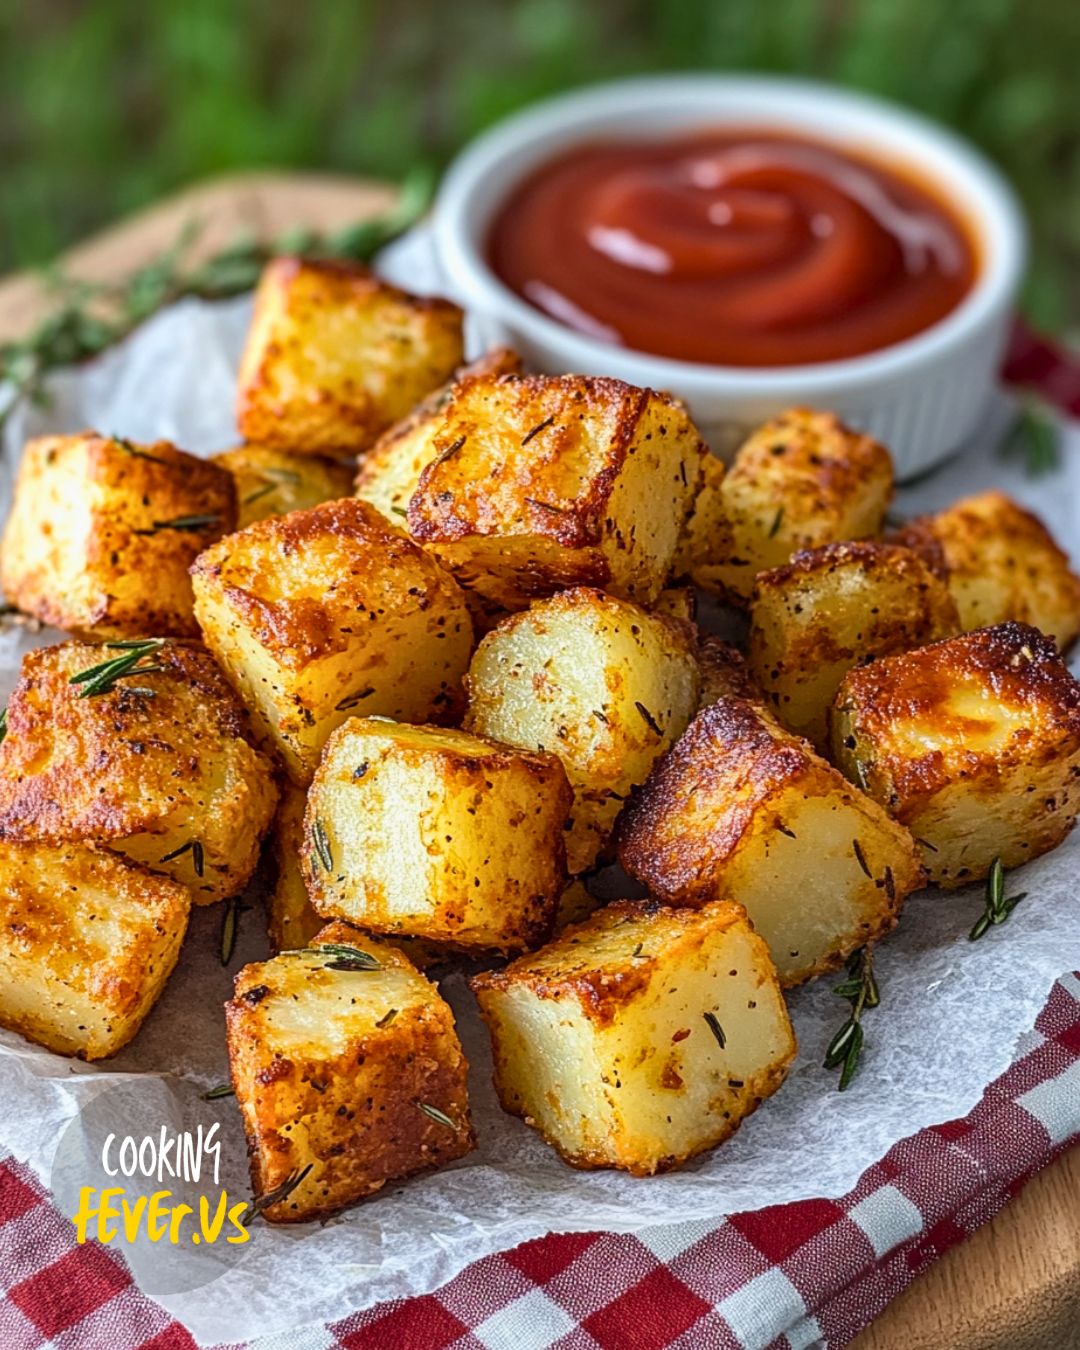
<point x="348" y="1072"/>
<point x="972" y="743"/>
<point x="640" y="1037"/>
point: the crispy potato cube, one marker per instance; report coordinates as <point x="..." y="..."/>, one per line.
<point x="599" y="682"/>
<point x="292" y="920"/>
<point x="1001" y="563"/>
<point x="437" y="834"/>
<point x="724" y="673"/>
<point x="102" y="532"/>
<point x="348" y="1075"/>
<point x="740" y="808"/>
<point x="800" y="481"/>
<point x="166" y="777"/>
<point x="274" y="482"/>
<point x="705" y="543"/>
<point x="545" y="482"/>
<point x="334" y="356"/>
<point x="972" y="743"/>
<point x="391" y="469"/>
<point x="833" y="608"/>
<point x="87" y="942"/>
<point x="321" y="614"/>
<point x="642" y="1036"/>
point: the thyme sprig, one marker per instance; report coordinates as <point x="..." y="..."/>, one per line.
<point x="998" y="908"/>
<point x="90" y="317"/>
<point x="102" y="678"/>
<point x="195" y="524"/>
<point x="436" y="1114"/>
<point x="274" y="1197"/>
<point x="344" y="956"/>
<point x="861" y="990"/>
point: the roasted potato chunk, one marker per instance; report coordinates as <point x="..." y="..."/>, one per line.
<point x="740" y="808"/>
<point x="1001" y="563"/>
<point x="292" y="920"/>
<point x="597" y="681"/>
<point x="334" y="356"/>
<point x="972" y="743"/>
<point x="800" y="481"/>
<point x="275" y="482"/>
<point x="102" y="532"/>
<point x="724" y="673"/>
<point x="87" y="942"/>
<point x="833" y="608"/>
<point x="545" y="482"/>
<point x="642" y="1036"/>
<point x="157" y="767"/>
<point x="391" y="469"/>
<point x="705" y="544"/>
<point x="437" y="834"/>
<point x="348" y="1073"/>
<point x="321" y="614"/>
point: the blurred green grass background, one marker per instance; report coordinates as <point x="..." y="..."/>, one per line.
<point x="106" y="105"/>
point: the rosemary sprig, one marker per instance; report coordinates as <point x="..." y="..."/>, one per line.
<point x="536" y="430"/>
<point x="387" y="1018"/>
<point x="774" y="528"/>
<point x="436" y="1114"/>
<point x="222" y="1090"/>
<point x="353" y="699"/>
<point x="91" y="317"/>
<point x="998" y="908"/>
<point x="3" y="725"/>
<point x="129" y="448"/>
<point x="345" y="957"/>
<point x="195" y="524"/>
<point x="713" y="1023"/>
<point x="228" y="929"/>
<point x="274" y="1197"/>
<point x="195" y="848"/>
<point x="650" y="720"/>
<point x="1034" y="437"/>
<point x="860" y="988"/>
<point x="322" y="845"/>
<point x="102" y="678"/>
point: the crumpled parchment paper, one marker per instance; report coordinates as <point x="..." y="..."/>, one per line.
<point x="953" y="1013"/>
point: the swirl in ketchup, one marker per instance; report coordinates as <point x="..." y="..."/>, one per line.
<point x="734" y="249"/>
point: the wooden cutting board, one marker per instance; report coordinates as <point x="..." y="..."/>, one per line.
<point x="1016" y="1284"/>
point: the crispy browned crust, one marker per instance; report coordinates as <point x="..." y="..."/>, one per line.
<point x="39" y="926"/>
<point x="496" y="361"/>
<point x="359" y="1106"/>
<point x="298" y="629"/>
<point x="602" y="991"/>
<point x="291" y="393"/>
<point x="452" y="502"/>
<point x="831" y="460"/>
<point x="1015" y="665"/>
<point x="131" y="575"/>
<point x="1002" y="563"/>
<point x="119" y="764"/>
<point x="729" y="754"/>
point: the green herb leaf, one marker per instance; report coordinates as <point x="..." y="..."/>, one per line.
<point x="436" y="1114"/>
<point x="322" y="845"/>
<point x="228" y="929"/>
<point x="222" y="1090"/>
<point x="274" y="1197"/>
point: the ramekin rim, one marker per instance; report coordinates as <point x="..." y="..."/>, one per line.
<point x="997" y="214"/>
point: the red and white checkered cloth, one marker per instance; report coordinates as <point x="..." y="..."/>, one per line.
<point x="793" y="1276"/>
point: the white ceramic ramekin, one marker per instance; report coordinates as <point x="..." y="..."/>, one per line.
<point x="921" y="397"/>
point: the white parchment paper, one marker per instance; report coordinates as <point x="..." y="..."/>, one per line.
<point x="953" y="1014"/>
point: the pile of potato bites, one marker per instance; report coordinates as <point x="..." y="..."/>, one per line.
<point x="448" y="699"/>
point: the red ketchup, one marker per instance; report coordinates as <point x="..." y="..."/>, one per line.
<point x="733" y="248"/>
